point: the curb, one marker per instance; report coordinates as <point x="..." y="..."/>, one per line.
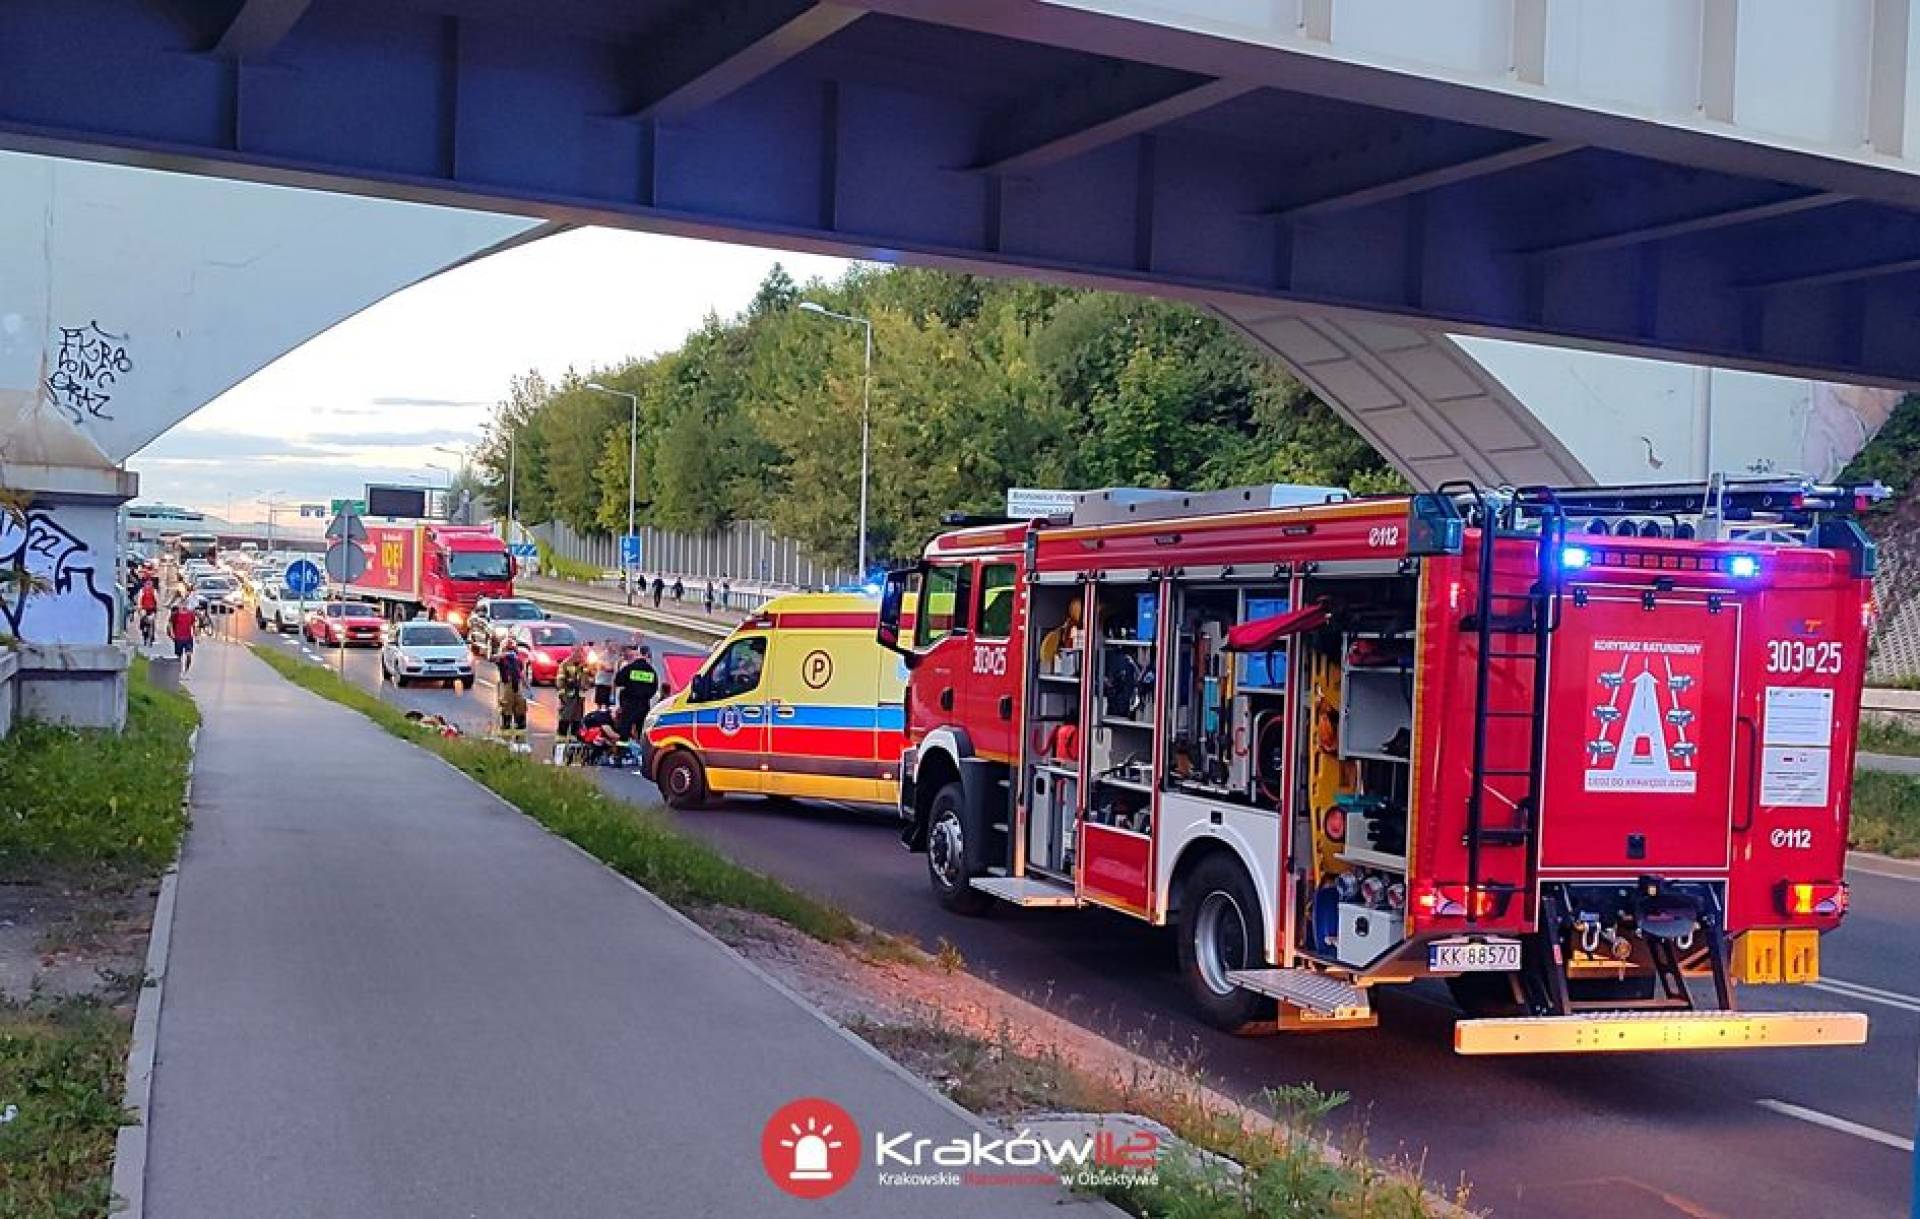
<point x="130" y="1144"/>
<point x="1883" y="865"/>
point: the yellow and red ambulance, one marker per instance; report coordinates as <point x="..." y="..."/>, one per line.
<point x="798" y="701"/>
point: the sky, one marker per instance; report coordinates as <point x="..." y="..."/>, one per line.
<point x="375" y="398"/>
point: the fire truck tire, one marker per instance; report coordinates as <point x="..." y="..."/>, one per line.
<point x="1221" y="930"/>
<point x="947" y="854"/>
<point x="681" y="779"/>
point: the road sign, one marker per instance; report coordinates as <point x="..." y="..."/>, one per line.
<point x="346" y="562"/>
<point x="1024" y="503"/>
<point x="349" y="507"/>
<point x="523" y="550"/>
<point x="303" y="577"/>
<point x="629" y="550"/>
<point x="348" y="527"/>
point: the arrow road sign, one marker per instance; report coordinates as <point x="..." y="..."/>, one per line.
<point x="346" y="562"/>
<point x="303" y="576"/>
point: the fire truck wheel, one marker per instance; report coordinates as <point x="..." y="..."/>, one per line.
<point x="681" y="780"/>
<point x="947" y="855"/>
<point x="1221" y="930"/>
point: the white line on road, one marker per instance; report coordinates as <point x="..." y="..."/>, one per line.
<point x="1870" y="994"/>
<point x="1837" y="1123"/>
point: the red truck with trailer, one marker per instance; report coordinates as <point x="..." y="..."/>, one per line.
<point x="439" y="570"/>
<point x="1584" y="754"/>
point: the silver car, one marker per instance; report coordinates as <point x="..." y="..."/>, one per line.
<point x="426" y="651"/>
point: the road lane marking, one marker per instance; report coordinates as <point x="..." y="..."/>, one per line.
<point x="1837" y="1123"/>
<point x="1869" y="994"/>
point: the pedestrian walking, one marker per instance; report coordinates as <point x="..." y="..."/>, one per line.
<point x="709" y="597"/>
<point x="603" y="676"/>
<point x="637" y="683"/>
<point x="180" y="626"/>
<point x="510" y="695"/>
<point x="679" y="590"/>
<point x="659" y="591"/>
<point x="726" y="594"/>
<point x="571" y="683"/>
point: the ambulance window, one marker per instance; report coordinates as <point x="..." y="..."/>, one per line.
<point x="737" y="671"/>
<point x="996" y="601"/>
<point x="943" y="603"/>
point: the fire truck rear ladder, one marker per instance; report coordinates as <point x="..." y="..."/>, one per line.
<point x="1518" y="636"/>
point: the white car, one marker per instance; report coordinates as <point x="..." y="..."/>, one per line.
<point x="280" y="609"/>
<point x="426" y="651"/>
<point x="220" y="593"/>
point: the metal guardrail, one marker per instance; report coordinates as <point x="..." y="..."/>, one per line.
<point x="689" y="629"/>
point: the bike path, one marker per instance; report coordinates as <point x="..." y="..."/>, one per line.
<point x="391" y="995"/>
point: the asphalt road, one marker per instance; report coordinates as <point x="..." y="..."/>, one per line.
<point x="1739" y="1135"/>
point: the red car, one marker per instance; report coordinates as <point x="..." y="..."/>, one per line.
<point x="341" y="623"/>
<point x="548" y="645"/>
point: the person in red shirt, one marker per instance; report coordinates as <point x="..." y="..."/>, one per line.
<point x="180" y="623"/>
<point x="149" y="606"/>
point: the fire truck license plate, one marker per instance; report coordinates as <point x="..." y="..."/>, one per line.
<point x="1473" y="956"/>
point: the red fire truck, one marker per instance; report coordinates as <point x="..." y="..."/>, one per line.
<point x="440" y="570"/>
<point x="1584" y="754"/>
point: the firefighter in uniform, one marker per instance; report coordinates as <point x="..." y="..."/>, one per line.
<point x="511" y="696"/>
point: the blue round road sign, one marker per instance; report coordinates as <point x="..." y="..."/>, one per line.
<point x="302" y="577"/>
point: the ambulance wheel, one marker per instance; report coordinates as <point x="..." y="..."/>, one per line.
<point x="681" y="780"/>
<point x="1220" y="931"/>
<point x="947" y="855"/>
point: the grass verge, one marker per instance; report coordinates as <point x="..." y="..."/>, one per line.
<point x="1231" y="1167"/>
<point x="98" y="813"/>
<point x="1886" y="736"/>
<point x="86" y="803"/>
<point x="60" y="1074"/>
<point x="638" y="843"/>
<point x="1886" y="814"/>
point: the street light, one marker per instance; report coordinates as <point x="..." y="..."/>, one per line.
<point x="866" y="414"/>
<point x="633" y="467"/>
<point x="463" y="453"/>
<point x="268" y="497"/>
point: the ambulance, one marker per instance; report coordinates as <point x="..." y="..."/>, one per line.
<point x="799" y="701"/>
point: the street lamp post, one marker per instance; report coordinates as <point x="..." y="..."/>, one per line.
<point x="633" y="469"/>
<point x="268" y="497"/>
<point x="866" y="415"/>
<point x="465" y="518"/>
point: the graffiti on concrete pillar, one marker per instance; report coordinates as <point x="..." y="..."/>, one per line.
<point x="52" y="591"/>
<point x="88" y="363"/>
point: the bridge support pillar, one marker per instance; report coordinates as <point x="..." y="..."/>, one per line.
<point x="59" y="545"/>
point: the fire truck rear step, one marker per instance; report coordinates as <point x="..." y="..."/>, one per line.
<point x="1601" y="1032"/>
<point x="1307" y="990"/>
<point x="1026" y="890"/>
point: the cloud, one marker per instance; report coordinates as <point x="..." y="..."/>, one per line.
<point x="461" y="403"/>
<point x="188" y="446"/>
<point x="394" y="440"/>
